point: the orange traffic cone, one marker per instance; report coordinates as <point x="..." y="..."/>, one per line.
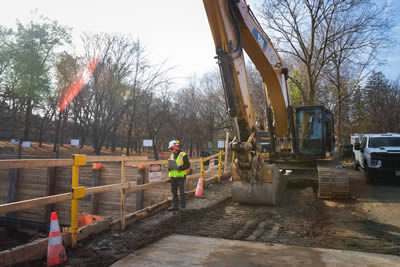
<point x="199" y="189"/>
<point x="55" y="252"/>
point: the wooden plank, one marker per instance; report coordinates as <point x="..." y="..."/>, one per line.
<point x="141" y="214"/>
<point x="29" y="252"/>
<point x="134" y="188"/>
<point x="212" y="157"/>
<point x="36" y="202"/>
<point x="130" y="186"/>
<point x="193" y="176"/>
<point x="38" y="249"/>
<point x="137" y="163"/>
<point x="122" y="206"/>
<point x="35" y="163"/>
<point x="106" y="188"/>
<point x="94" y="228"/>
<point x="114" y="158"/>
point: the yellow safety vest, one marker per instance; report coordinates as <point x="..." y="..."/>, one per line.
<point x="179" y="162"/>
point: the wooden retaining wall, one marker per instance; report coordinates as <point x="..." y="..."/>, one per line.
<point x="41" y="182"/>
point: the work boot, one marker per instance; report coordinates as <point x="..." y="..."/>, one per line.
<point x="173" y="209"/>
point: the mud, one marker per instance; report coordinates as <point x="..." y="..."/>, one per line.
<point x="368" y="222"/>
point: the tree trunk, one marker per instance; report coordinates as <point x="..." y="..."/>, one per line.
<point x="74" y="130"/>
<point x="339" y="131"/>
<point x="130" y="129"/>
<point x="57" y="132"/>
<point x="108" y="141"/>
<point x="65" y="120"/>
<point x="191" y="147"/>
<point x="155" y="150"/>
<point x="42" y="124"/>
<point x="28" y="115"/>
<point x="83" y="137"/>
<point x="114" y="139"/>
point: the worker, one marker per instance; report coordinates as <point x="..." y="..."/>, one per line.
<point x="177" y="174"/>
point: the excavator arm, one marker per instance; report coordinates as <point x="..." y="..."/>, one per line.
<point x="235" y="29"/>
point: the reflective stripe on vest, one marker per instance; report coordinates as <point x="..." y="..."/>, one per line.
<point x="179" y="162"/>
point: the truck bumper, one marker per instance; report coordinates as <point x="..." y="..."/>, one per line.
<point x="385" y="172"/>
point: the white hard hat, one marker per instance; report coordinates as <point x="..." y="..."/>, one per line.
<point x="173" y="143"/>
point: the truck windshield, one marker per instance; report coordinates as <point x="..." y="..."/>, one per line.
<point x="375" y="142"/>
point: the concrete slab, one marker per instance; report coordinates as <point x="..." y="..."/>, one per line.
<point x="180" y="250"/>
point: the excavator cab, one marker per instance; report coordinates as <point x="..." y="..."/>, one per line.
<point x="314" y="132"/>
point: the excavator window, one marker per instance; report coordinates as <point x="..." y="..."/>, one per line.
<point x="310" y="131"/>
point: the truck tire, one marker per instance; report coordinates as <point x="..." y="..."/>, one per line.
<point x="368" y="176"/>
<point x="356" y="166"/>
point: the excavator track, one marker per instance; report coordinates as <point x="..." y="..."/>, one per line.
<point x="332" y="182"/>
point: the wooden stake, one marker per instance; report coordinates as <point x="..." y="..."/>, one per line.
<point x="139" y="181"/>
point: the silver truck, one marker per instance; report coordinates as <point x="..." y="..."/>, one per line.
<point x="378" y="155"/>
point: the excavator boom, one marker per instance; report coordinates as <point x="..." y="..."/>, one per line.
<point x="234" y="29"/>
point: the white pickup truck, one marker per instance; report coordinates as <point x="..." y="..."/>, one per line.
<point x="378" y="155"/>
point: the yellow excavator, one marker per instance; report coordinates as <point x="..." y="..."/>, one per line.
<point x="295" y="136"/>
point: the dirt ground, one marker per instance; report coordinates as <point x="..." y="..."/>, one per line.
<point x="368" y="221"/>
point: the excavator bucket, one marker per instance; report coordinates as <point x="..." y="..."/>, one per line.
<point x="266" y="192"/>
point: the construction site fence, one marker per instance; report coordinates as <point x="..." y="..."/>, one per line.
<point x="78" y="192"/>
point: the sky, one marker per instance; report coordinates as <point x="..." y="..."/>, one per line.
<point x="174" y="31"/>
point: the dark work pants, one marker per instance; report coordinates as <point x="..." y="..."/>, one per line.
<point x="178" y="182"/>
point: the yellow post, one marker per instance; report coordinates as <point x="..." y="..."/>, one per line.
<point x="233" y="156"/>
<point x="219" y="165"/>
<point x="78" y="192"/>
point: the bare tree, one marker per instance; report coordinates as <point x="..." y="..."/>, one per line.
<point x="105" y="94"/>
<point x="67" y="71"/>
<point x="144" y="78"/>
<point x="306" y="30"/>
<point x="382" y="101"/>
<point x="157" y="105"/>
<point x="213" y="114"/>
<point x="353" y="53"/>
